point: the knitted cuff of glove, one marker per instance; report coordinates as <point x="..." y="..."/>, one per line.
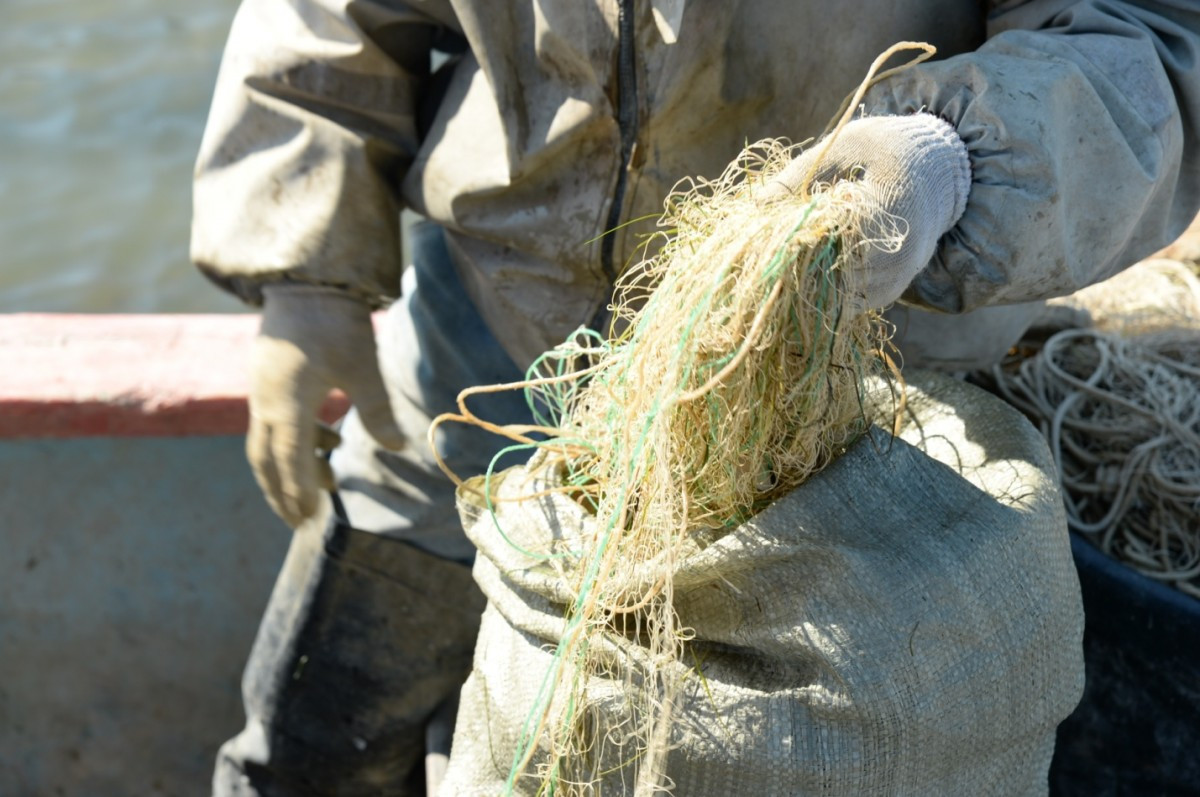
<point x="940" y="154"/>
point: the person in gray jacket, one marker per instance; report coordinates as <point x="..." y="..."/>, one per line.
<point x="1051" y="144"/>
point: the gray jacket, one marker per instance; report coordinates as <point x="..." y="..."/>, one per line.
<point x="564" y="119"/>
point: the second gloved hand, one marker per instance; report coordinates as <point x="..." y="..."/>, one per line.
<point x="917" y="170"/>
<point x="312" y="340"/>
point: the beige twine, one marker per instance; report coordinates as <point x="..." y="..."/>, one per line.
<point x="738" y="374"/>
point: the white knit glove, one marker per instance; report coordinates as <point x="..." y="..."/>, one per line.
<point x="917" y="168"/>
<point x="312" y="340"/>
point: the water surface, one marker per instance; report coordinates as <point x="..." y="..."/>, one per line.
<point x="102" y="105"/>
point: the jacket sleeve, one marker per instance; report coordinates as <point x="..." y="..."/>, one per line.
<point x="1081" y="123"/>
<point x="313" y="123"/>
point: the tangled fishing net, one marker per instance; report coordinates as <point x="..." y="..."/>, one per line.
<point x="1118" y="399"/>
<point x="736" y="372"/>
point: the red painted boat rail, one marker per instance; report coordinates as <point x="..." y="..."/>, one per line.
<point x="65" y="376"/>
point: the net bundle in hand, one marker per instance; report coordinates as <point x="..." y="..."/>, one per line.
<point x="739" y="373"/>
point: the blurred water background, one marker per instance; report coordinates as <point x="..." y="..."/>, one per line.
<point x="102" y="105"/>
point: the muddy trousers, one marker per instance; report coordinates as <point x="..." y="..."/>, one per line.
<point x="371" y="625"/>
<point x="362" y="640"/>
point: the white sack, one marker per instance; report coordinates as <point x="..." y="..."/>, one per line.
<point x="907" y="622"/>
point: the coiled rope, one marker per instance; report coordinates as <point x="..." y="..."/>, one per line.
<point x="1119" y="404"/>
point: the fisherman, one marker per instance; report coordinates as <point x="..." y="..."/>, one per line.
<point x="1051" y="144"/>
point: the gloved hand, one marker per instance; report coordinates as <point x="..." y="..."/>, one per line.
<point x="312" y="339"/>
<point x="917" y="169"/>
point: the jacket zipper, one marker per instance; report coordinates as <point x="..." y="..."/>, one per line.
<point x="627" y="119"/>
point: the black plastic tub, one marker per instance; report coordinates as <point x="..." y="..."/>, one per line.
<point x="1137" y="729"/>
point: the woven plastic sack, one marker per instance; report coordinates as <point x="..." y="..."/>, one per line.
<point x="907" y="622"/>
